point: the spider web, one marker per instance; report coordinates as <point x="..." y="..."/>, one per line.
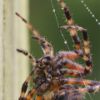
<point x="90" y="12"/>
<point x="58" y="25"/>
<point x="62" y="35"/>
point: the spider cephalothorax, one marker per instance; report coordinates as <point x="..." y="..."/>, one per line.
<point x="50" y="71"/>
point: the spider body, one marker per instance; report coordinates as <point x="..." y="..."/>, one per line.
<point x="50" y="71"/>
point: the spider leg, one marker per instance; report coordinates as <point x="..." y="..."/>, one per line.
<point x="25" y="85"/>
<point x="71" y="65"/>
<point x="72" y="55"/>
<point x="72" y="92"/>
<point x="73" y="32"/>
<point x="86" y="52"/>
<point x="69" y="92"/>
<point x="32" y="59"/>
<point x="46" y="46"/>
<point x="68" y="72"/>
<point x="90" y="89"/>
<point x="79" y="81"/>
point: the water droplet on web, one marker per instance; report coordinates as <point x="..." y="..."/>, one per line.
<point x="87" y="8"/>
<point x="90" y="12"/>
<point x="82" y="1"/>
<point x="96" y="20"/>
<point x="99" y="23"/>
<point x="93" y="16"/>
<point x="85" y="5"/>
<point x="54" y="10"/>
<point x="57" y="22"/>
<point x="65" y="42"/>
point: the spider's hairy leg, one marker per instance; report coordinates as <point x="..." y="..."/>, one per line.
<point x="90" y="89"/>
<point x="74" y="34"/>
<point x="66" y="59"/>
<point x="69" y="92"/>
<point x="75" y="66"/>
<point x="46" y="46"/>
<point x="25" y="85"/>
<point x="32" y="59"/>
<point x="79" y="81"/>
<point x="86" y="52"/>
<point x="69" y="72"/>
<point x="72" y="55"/>
<point x="71" y="65"/>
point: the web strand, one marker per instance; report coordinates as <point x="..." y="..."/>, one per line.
<point x="90" y="12"/>
<point x="58" y="25"/>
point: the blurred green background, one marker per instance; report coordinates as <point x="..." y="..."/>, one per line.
<point x="42" y="17"/>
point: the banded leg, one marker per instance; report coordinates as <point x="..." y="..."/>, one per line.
<point x="32" y="59"/>
<point x="69" y="92"/>
<point x="79" y="81"/>
<point x="73" y="32"/>
<point x="71" y="65"/>
<point x="76" y="92"/>
<point x="46" y="46"/>
<point x="90" y="89"/>
<point x="72" y="55"/>
<point x="68" y="72"/>
<point x="86" y="50"/>
<point x="25" y="85"/>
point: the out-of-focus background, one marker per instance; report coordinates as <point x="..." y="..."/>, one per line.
<point x="14" y="67"/>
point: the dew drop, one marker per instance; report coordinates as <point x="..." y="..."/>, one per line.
<point x="99" y="23"/>
<point x="87" y="8"/>
<point x="65" y="42"/>
<point x="93" y="16"/>
<point x="85" y="5"/>
<point x="82" y="1"/>
<point x="54" y="10"/>
<point x="90" y="12"/>
<point x="96" y="20"/>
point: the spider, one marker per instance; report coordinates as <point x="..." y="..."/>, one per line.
<point x="51" y="69"/>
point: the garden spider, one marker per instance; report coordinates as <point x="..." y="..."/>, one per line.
<point x="49" y="71"/>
